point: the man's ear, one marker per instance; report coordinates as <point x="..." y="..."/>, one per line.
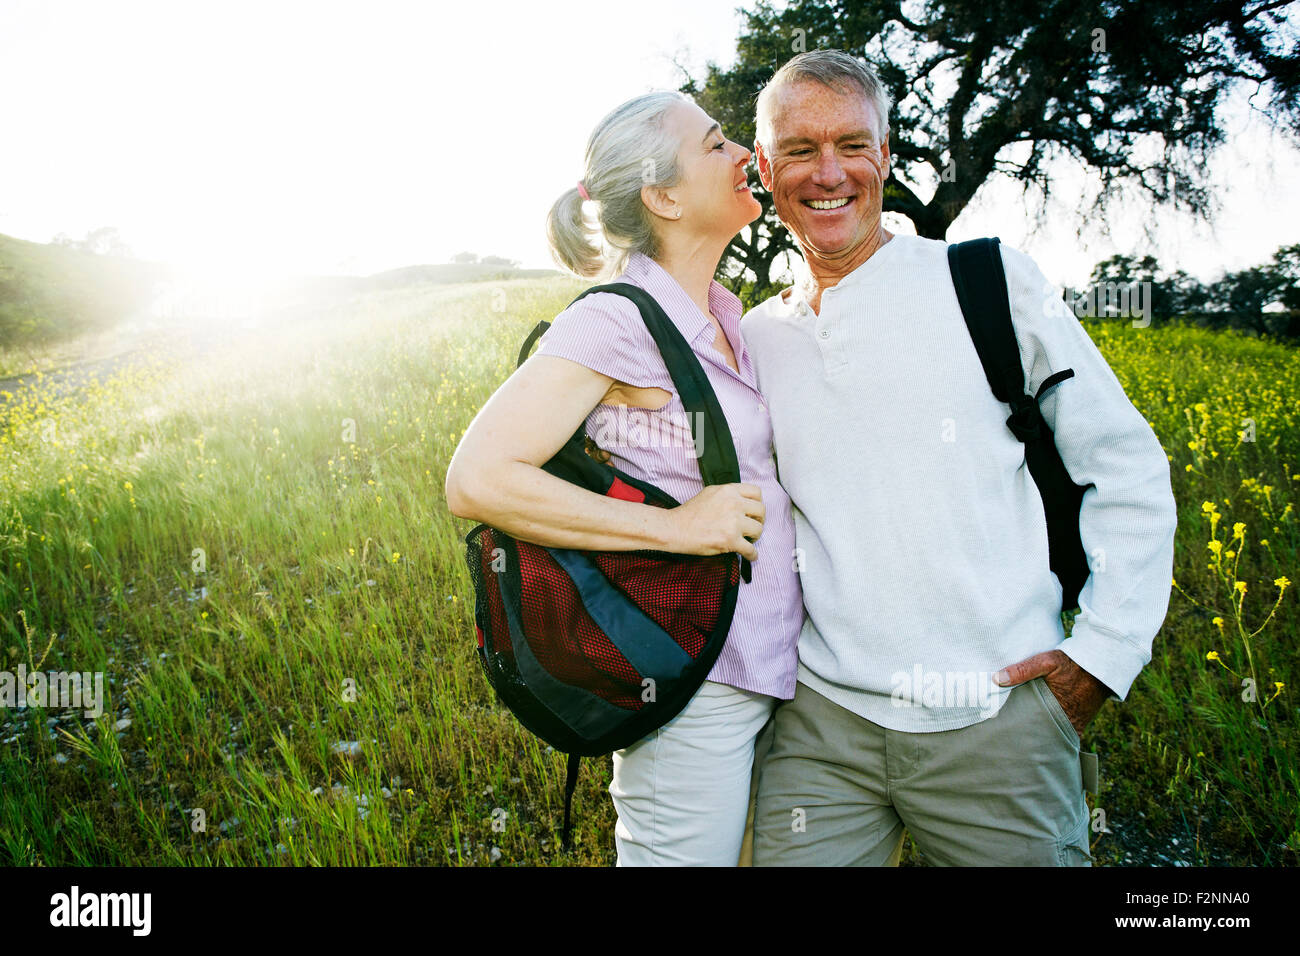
<point x="660" y="203"/>
<point x="764" y="166"/>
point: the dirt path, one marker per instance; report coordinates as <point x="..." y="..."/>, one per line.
<point x="177" y="346"/>
<point x="70" y="378"/>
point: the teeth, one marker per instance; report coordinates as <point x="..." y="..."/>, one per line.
<point x="741" y="186"/>
<point x="827" y="203"/>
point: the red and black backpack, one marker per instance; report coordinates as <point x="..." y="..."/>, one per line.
<point x="593" y="650"/>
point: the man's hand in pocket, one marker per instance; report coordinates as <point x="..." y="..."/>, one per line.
<point x="1079" y="693"/>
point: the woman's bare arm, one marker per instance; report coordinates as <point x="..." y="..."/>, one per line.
<point x="495" y="476"/>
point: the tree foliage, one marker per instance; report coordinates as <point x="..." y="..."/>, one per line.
<point x="1131" y="89"/>
<point x="1263" y="299"/>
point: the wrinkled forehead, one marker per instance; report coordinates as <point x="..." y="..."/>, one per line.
<point x="810" y="110"/>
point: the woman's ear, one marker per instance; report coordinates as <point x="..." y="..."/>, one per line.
<point x="660" y="203"/>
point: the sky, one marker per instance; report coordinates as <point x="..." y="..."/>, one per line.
<point x="350" y="138"/>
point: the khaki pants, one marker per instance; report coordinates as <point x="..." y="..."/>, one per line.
<point x="681" y="791"/>
<point x="836" y="789"/>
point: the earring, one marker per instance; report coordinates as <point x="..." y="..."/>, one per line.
<point x="679" y="214"/>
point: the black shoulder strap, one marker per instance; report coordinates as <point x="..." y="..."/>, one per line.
<point x="570" y="784"/>
<point x="718" y="462"/>
<point x="533" y="336"/>
<point x="981" y="286"/>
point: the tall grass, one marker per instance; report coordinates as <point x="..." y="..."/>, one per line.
<point x="255" y="550"/>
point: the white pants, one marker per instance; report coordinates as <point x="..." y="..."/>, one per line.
<point x="682" y="792"/>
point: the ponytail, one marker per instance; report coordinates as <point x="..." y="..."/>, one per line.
<point x="630" y="148"/>
<point x="571" y="238"/>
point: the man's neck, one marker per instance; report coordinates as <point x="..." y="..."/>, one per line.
<point x="825" y="273"/>
<point x="693" y="262"/>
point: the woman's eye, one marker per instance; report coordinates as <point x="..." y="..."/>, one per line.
<point x="720" y="145"/>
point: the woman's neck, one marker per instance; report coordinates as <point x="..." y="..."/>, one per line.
<point x="693" y="262"/>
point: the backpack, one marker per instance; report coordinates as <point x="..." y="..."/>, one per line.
<point x="593" y="650"/>
<point x="981" y="285"/>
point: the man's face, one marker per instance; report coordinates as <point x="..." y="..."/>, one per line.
<point x="826" y="168"/>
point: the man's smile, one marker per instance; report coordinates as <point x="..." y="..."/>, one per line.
<point x="824" y="204"/>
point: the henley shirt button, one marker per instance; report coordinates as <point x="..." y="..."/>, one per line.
<point x="825" y="333"/>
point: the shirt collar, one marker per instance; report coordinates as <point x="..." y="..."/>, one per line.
<point x="681" y="308"/>
<point x="802" y="288"/>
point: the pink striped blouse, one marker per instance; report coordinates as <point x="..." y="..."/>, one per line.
<point x="605" y="332"/>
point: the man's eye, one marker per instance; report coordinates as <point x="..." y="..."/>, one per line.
<point x="800" y="152"/>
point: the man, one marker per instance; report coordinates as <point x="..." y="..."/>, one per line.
<point x="937" y="690"/>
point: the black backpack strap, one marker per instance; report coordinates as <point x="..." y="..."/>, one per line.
<point x="718" y="462"/>
<point x="981" y="285"/>
<point x="533" y="336"/>
<point x="570" y="784"/>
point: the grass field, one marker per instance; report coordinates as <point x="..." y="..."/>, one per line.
<point x="255" y="551"/>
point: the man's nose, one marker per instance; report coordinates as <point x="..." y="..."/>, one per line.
<point x="829" y="172"/>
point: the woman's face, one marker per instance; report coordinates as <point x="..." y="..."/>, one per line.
<point x="712" y="191"/>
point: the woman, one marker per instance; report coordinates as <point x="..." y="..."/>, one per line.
<point x="667" y="192"/>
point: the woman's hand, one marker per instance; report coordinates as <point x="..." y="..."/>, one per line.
<point x="495" y="477"/>
<point x="719" y="520"/>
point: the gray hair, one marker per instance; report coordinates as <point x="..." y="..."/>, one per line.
<point x="630" y="148"/>
<point x="834" y="69"/>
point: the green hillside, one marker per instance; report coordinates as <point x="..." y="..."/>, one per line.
<point x="50" y="293"/>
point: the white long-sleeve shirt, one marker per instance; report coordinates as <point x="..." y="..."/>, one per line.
<point x="920" y="533"/>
